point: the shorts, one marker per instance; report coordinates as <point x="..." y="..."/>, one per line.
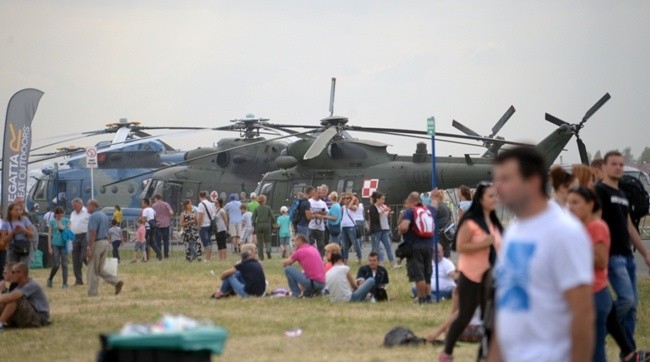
<point x="140" y="247"/>
<point x="234" y="229"/>
<point x="221" y="240"/>
<point x="25" y="316"/>
<point x="247" y="235"/>
<point x="418" y="265"/>
<point x="284" y="240"/>
<point x="204" y="234"/>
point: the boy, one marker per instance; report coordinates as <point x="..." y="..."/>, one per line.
<point x="246" y="224"/>
<point x="140" y="242"/>
<point x="284" y="229"/>
<point x="116" y="237"/>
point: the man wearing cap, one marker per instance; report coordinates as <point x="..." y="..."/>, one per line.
<point x="234" y="220"/>
<point x="98" y="247"/>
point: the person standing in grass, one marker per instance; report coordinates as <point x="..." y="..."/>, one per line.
<point x="116" y="237"/>
<point x="246" y="278"/>
<point x="262" y="220"/>
<point x="312" y="281"/>
<point x="284" y="229"/>
<point x="57" y="246"/>
<point x="334" y="216"/>
<point x="190" y="224"/>
<point x="222" y="234"/>
<point x="140" y="242"/>
<point x="97" y="250"/>
<point x="380" y="227"/>
<point x="233" y="210"/>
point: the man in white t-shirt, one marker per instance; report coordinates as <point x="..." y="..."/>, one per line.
<point x="79" y="218"/>
<point x="149" y="217"/>
<point x="447" y="275"/>
<point x="317" y="215"/>
<point x="544" y="272"/>
<point x="207" y="212"/>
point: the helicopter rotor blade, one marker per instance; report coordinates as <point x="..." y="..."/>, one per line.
<point x="211" y="154"/>
<point x="87" y="134"/>
<point x="437" y="139"/>
<point x="371" y="143"/>
<point x="582" y="149"/>
<point x="466" y="130"/>
<point x="556" y="121"/>
<point x="332" y="91"/>
<point x="506" y="116"/>
<point x="595" y="108"/>
<point x="321" y="143"/>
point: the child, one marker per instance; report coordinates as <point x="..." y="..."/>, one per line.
<point x="140" y="242"/>
<point x="117" y="239"/>
<point x="246" y="224"/>
<point x="284" y="232"/>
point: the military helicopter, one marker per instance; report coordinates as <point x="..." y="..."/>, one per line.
<point x="346" y="164"/>
<point x="131" y="151"/>
<point x="234" y="165"/>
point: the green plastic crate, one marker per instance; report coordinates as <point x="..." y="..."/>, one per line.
<point x="211" y="339"/>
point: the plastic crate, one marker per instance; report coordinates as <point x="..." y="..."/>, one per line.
<point x="197" y="345"/>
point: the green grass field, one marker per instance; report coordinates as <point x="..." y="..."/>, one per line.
<point x="256" y="326"/>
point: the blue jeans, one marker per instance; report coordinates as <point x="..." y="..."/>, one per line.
<point x="444" y="293"/>
<point x="116" y="249"/>
<point x="162" y="240"/>
<point x="348" y="238"/>
<point x="360" y="294"/>
<point x="336" y="238"/>
<point x="603" y="304"/>
<point x="295" y="278"/>
<point x="234" y="283"/>
<point x="622" y="277"/>
<point x="381" y="237"/>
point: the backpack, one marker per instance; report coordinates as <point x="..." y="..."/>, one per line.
<point x="637" y="196"/>
<point x="400" y="336"/>
<point x="423" y="223"/>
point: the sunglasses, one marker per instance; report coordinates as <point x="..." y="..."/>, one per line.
<point x="484" y="184"/>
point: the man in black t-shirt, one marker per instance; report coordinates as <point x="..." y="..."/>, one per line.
<point x="300" y="220"/>
<point x="621" y="269"/>
<point x="245" y="279"/>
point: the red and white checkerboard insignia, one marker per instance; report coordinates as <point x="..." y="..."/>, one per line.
<point x="369" y="186"/>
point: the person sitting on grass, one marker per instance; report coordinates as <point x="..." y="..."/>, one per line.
<point x="245" y="279"/>
<point x="341" y="286"/>
<point x="26" y="306"/>
<point x="312" y="281"/>
<point x="378" y="273"/>
<point x="331" y="248"/>
<point x="140" y="242"/>
<point x="7" y="278"/>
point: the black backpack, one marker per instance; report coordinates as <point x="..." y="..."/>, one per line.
<point x="637" y="196"/>
<point x="400" y="336"/>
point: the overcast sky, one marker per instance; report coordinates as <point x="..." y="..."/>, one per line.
<point x="397" y="62"/>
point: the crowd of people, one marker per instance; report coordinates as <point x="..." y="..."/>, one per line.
<point x="540" y="287"/>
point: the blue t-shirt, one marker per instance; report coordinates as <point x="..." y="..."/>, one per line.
<point x="24" y="222"/>
<point x="284" y="222"/>
<point x="410" y="236"/>
<point x="98" y="222"/>
<point x="335" y="210"/>
<point x="57" y="235"/>
<point x="234" y="213"/>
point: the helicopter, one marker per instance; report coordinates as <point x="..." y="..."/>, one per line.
<point x="131" y="150"/>
<point x="346" y="164"/>
<point x="233" y="166"/>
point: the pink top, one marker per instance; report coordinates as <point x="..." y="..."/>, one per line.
<point x="310" y="260"/>
<point x="140" y="234"/>
<point x="474" y="264"/>
<point x="163" y="213"/>
<point x="599" y="233"/>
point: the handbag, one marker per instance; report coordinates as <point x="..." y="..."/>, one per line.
<point x="404" y="250"/>
<point x="20" y="246"/>
<point x="358" y="226"/>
